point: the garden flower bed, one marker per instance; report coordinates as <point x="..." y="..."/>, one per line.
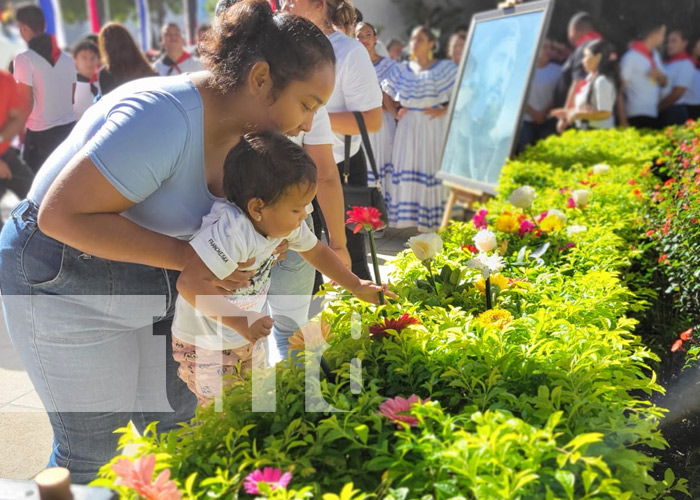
<point x="543" y="396"/>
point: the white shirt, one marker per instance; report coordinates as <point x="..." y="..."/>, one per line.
<point x="642" y="94"/>
<point x="320" y="132"/>
<point x="52" y="88"/>
<point x="189" y="65"/>
<point x="603" y="94"/>
<point x="83" y="97"/>
<point x="356" y="86"/>
<point x="680" y="74"/>
<point x="227" y="237"/>
<point x="692" y="95"/>
<point x="542" y="88"/>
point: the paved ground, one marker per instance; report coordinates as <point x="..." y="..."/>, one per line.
<point x="25" y="434"/>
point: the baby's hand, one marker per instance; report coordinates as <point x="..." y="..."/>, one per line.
<point x="369" y="292"/>
<point x="258" y="329"/>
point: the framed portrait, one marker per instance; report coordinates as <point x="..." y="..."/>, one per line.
<point x="491" y="91"/>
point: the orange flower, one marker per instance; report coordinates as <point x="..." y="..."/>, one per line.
<point x="313" y="334"/>
<point x="138" y="475"/>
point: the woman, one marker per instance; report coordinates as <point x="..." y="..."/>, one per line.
<point x="123" y="61"/>
<point x="87" y="259"/>
<point x="421" y="89"/>
<point x="594" y="101"/>
<point x="356" y="89"/>
<point x="383" y="141"/>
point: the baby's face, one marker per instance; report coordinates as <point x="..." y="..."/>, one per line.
<point x="288" y="213"/>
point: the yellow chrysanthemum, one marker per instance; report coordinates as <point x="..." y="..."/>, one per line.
<point x="497" y="279"/>
<point x="316" y="333"/>
<point x="506" y="223"/>
<point x="551" y="223"/>
<point x="499" y="318"/>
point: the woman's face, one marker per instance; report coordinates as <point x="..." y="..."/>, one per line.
<point x="365" y="35"/>
<point x="313" y="10"/>
<point x="294" y="109"/>
<point x="675" y="43"/>
<point x="420" y="45"/>
<point x="591" y="62"/>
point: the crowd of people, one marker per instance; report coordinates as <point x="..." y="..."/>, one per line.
<point x="185" y="181"/>
<point x="597" y="86"/>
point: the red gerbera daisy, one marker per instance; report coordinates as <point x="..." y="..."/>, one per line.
<point x="365" y="217"/>
<point x="380" y="329"/>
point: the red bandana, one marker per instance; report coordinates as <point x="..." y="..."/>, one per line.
<point x="639" y="46"/>
<point x="588" y="37"/>
<point x="681" y="56"/>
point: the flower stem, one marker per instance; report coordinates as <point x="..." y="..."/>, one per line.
<point x="377" y="277"/>
<point x="330" y="376"/>
<point x="431" y="278"/>
<point x="489" y="303"/>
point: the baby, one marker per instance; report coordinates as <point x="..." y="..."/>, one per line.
<point x="270" y="183"/>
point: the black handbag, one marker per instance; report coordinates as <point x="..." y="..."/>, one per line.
<point x="363" y="196"/>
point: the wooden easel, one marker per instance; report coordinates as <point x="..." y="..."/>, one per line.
<point x="463" y="195"/>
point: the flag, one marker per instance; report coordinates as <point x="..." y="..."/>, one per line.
<point x="93" y="15"/>
<point x="54" y="21"/>
<point x="144" y="25"/>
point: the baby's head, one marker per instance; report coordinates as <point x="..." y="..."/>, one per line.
<point x="271" y="179"/>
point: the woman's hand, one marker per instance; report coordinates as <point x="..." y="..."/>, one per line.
<point x="433" y="113"/>
<point x="369" y="291"/>
<point x="558" y="113"/>
<point x="401" y="113"/>
<point x="237" y="279"/>
<point x="281" y="250"/>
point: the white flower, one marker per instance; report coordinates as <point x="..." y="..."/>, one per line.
<point x="571" y="230"/>
<point x="426" y="246"/>
<point x="558" y="213"/>
<point x="522" y="197"/>
<point x="601" y="168"/>
<point x="487" y="264"/>
<point x="580" y="197"/>
<point x="485" y="240"/>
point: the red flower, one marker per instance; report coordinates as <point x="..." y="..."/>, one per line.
<point x="631" y="182"/>
<point x="669" y="182"/>
<point x="365" y="217"/>
<point x="686" y="334"/>
<point x="678" y="344"/>
<point x="650" y="233"/>
<point x="380" y="329"/>
<point x="571" y="203"/>
<point x="470" y="248"/>
<point x="663" y="258"/>
<point x="398" y="409"/>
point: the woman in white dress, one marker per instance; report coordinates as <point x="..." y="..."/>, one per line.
<point x="421" y="90"/>
<point x="383" y="141"/>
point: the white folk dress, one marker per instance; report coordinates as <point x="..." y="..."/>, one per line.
<point x="414" y="196"/>
<point x="383" y="141"/>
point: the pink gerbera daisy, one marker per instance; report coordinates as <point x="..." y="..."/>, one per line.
<point x="397" y="409"/>
<point x="273" y="477"/>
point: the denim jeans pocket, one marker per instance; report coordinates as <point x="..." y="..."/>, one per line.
<point x="42" y="259"/>
<point x="293" y="263"/>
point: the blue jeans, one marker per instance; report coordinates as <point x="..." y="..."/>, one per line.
<point x="289" y="298"/>
<point x="94" y="336"/>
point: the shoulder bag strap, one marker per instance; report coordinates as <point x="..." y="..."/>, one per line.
<point x="346" y="162"/>
<point x="367" y="145"/>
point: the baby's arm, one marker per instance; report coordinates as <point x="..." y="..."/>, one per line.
<point x="327" y="262"/>
<point x="196" y="280"/>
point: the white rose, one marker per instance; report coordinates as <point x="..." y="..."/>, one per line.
<point x="559" y="214"/>
<point x="601" y="168"/>
<point x="487" y="264"/>
<point x="522" y="197"/>
<point x="571" y="230"/>
<point x="426" y="246"/>
<point x="485" y="240"/>
<point x="580" y="197"/>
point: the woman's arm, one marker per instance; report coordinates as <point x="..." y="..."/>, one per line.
<point x="198" y="286"/>
<point x="330" y="198"/>
<point x="345" y="123"/>
<point x="589" y="115"/>
<point x="672" y="98"/>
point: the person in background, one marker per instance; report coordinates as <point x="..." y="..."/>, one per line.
<point x="581" y="30"/>
<point x="123" y="61"/>
<point x="46" y="78"/>
<point x="14" y="173"/>
<point x="175" y="59"/>
<point x="455" y="47"/>
<point x="537" y="124"/>
<point x="693" y="95"/>
<point x="420" y="90"/>
<point x="86" y="56"/>
<point x="643" y="77"/>
<point x="594" y="101"/>
<point x="680" y="69"/>
<point x="394" y="48"/>
<point x="382" y="141"/>
<point x="202" y="32"/>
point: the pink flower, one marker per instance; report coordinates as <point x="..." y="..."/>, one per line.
<point x="138" y="475"/>
<point x="541" y="217"/>
<point x="567" y="246"/>
<point x="526" y="226"/>
<point x="479" y="219"/>
<point x="397" y="409"/>
<point x="365" y="217"/>
<point x="571" y="203"/>
<point x="273" y="477"/>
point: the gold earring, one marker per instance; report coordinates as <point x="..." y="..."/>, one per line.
<point x="430" y="56"/>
